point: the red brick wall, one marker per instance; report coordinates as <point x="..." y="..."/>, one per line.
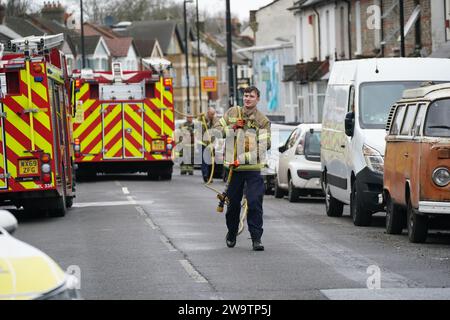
<point x="390" y="24"/>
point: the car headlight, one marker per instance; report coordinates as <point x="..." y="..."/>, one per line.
<point x="374" y="159"/>
<point x="441" y="177"/>
<point x="67" y="291"/>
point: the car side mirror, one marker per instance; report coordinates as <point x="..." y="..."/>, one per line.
<point x="8" y="221"/>
<point x="350" y="124"/>
<point x="282" y="149"/>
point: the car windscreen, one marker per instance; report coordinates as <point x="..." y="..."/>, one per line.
<point x="437" y="123"/>
<point x="376" y="99"/>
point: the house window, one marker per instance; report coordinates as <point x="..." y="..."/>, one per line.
<point x="342" y="33"/>
<point x="321" y="92"/>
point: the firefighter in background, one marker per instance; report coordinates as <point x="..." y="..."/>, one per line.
<point x="187" y="139"/>
<point x="249" y="128"/>
<point x="207" y="141"/>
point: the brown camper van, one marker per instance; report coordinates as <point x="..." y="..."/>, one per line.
<point x="417" y="161"/>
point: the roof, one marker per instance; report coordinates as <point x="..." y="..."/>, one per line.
<point x="119" y="47"/>
<point x="163" y="30"/>
<point x="91" y="29"/>
<point x="145" y="47"/>
<point x="23" y="26"/>
<point x="90" y="43"/>
<point x="424" y="91"/>
<point x="52" y="26"/>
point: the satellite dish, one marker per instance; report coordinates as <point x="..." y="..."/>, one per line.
<point x="157" y="64"/>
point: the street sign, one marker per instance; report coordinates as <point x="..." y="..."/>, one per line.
<point x="209" y="84"/>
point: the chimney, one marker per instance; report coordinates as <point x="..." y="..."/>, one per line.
<point x="253" y="23"/>
<point x="235" y="27"/>
<point x="2" y="13"/>
<point x="53" y="11"/>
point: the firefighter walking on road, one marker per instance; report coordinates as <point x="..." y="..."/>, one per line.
<point x="208" y="123"/>
<point x="250" y="130"/>
<point x="188" y="150"/>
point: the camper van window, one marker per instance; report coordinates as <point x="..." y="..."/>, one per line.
<point x="409" y="119"/>
<point x="376" y="99"/>
<point x="397" y="123"/>
<point x="437" y="123"/>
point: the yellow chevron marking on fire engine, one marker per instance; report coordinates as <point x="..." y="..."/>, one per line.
<point x="112" y="152"/>
<point x="2" y="162"/>
<point x="167" y="94"/>
<point x="84" y="88"/>
<point x="42" y="117"/>
<point x="110" y="116"/>
<point x="87" y="121"/>
<point x="22" y="126"/>
<point x="156" y="119"/>
<point x="39" y="89"/>
<point x="91" y="136"/>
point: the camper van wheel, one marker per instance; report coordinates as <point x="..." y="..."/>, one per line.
<point x="395" y="217"/>
<point x="58" y="207"/>
<point x="334" y="207"/>
<point x="417" y="225"/>
<point x="360" y="215"/>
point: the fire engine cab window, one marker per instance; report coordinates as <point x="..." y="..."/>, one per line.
<point x="438" y="119"/>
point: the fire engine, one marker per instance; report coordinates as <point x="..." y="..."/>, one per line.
<point x="124" y="122"/>
<point x="35" y="126"/>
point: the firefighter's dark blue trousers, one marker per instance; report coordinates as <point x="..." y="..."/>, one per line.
<point x="254" y="193"/>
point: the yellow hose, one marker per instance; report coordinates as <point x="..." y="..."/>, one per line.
<point x="30" y="104"/>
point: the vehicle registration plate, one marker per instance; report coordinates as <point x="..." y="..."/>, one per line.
<point x="158" y="145"/>
<point x="28" y="167"/>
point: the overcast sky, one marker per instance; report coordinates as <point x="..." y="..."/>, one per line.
<point x="240" y="8"/>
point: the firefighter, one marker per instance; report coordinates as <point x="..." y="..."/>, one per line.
<point x="208" y="123"/>
<point x="250" y="130"/>
<point x="188" y="142"/>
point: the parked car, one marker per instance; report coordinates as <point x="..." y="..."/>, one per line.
<point x="279" y="135"/>
<point x="28" y="273"/>
<point x="417" y="161"/>
<point x="299" y="163"/>
<point x="359" y="96"/>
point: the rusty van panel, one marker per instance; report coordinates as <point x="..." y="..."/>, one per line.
<point x="435" y="153"/>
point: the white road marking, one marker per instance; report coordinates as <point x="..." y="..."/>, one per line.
<point x="131" y="200"/>
<point x="125" y="190"/>
<point x="151" y="224"/>
<point x="118" y="183"/>
<point x="109" y="203"/>
<point x="192" y="272"/>
<point x="167" y="243"/>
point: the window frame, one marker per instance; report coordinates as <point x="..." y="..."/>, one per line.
<point x="400" y="107"/>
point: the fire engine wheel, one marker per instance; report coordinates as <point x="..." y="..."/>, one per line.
<point x="69" y="202"/>
<point x="58" y="207"/>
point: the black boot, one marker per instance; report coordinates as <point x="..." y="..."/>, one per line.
<point x="257" y="245"/>
<point x="231" y="240"/>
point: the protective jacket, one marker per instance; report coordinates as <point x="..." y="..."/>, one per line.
<point x="247" y="145"/>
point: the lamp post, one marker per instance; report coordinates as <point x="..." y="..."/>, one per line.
<point x="186" y="52"/>
<point x="198" y="58"/>
<point x="402" y="29"/>
<point x="229" y="56"/>
<point x="83" y="55"/>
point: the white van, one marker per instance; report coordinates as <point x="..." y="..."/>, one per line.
<point x="359" y="96"/>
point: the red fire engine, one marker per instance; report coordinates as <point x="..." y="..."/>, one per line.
<point x="124" y="122"/>
<point x="35" y="132"/>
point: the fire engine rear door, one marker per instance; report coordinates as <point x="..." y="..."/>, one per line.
<point x="112" y="130"/>
<point x="133" y="130"/>
<point x="3" y="179"/>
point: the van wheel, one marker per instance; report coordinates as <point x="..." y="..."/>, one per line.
<point x="395" y="217"/>
<point x="277" y="191"/>
<point x="417" y="225"/>
<point x="334" y="207"/>
<point x="360" y="215"/>
<point x="293" y="192"/>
